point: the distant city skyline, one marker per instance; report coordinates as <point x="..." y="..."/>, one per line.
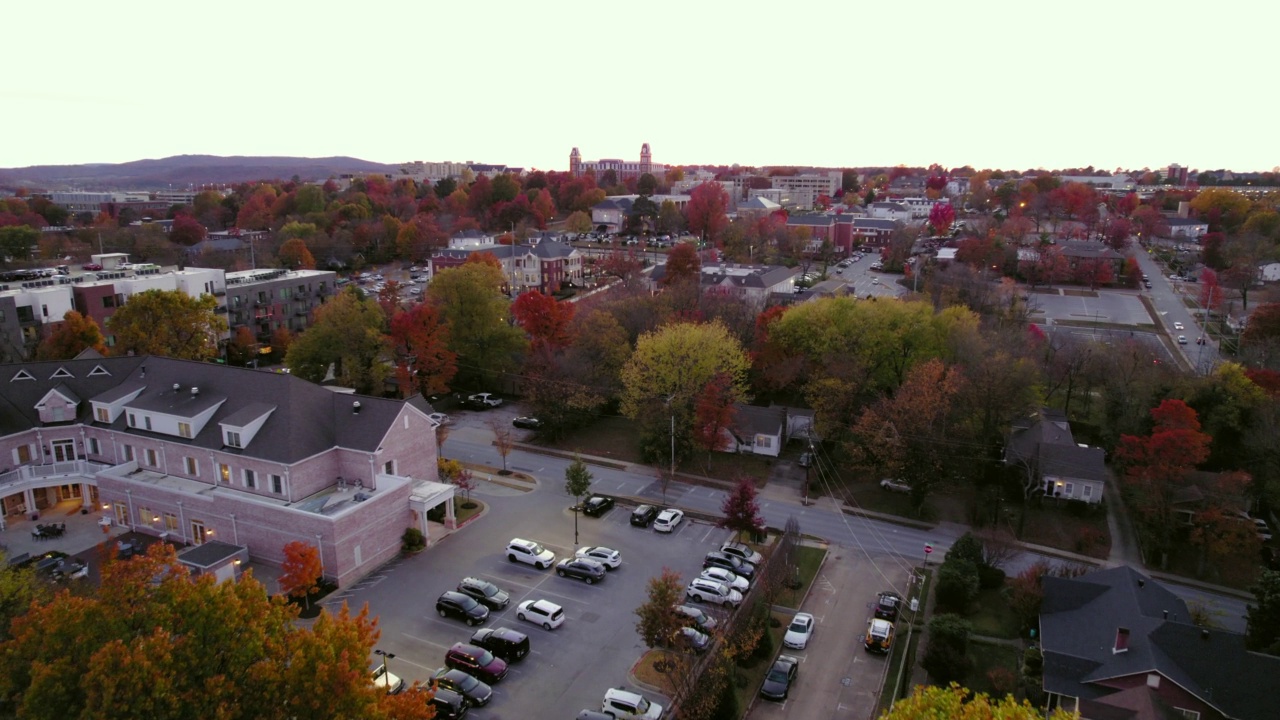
<point x="1003" y="85"/>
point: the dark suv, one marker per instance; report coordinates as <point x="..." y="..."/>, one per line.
<point x="643" y="515"/>
<point x="887" y="605"/>
<point x="510" y="645"/>
<point x="463" y="607"/>
<point x="588" y="571"/>
<point x="730" y="563"/>
<point x="476" y="661"/>
<point x="484" y="591"/>
<point x="597" y="505"/>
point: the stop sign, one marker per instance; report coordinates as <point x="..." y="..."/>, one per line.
<point x="928" y="548"/>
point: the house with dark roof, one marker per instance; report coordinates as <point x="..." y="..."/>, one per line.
<point x="541" y="264"/>
<point x="764" y="430"/>
<point x="192" y="452"/>
<point x="1043" y="447"/>
<point x="752" y="283"/>
<point x="1120" y="646"/>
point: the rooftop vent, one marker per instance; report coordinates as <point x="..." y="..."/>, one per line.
<point x="355" y="407"/>
<point x="195" y="390"/>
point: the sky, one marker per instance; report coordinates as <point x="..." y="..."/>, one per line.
<point x="1012" y="85"/>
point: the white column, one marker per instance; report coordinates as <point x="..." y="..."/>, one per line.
<point x="30" y="497"/>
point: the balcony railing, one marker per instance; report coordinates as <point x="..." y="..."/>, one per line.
<point x="27" y="473"/>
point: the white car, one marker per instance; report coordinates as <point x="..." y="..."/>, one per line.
<point x="668" y="520"/>
<point x="528" y="551"/>
<point x="799" y="631"/>
<point x="622" y="704"/>
<point x="895" y="485"/>
<point x="388" y="682"/>
<point x="541" y="612"/>
<point x="1178" y="326"/>
<point x="710" y="591"/>
<point x="439" y="418"/>
<point x="742" y="552"/>
<point x="727" y="577"/>
<point x="1182" y="339"/>
<point x="607" y="557"/>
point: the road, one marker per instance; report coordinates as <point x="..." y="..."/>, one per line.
<point x="1171" y="308"/>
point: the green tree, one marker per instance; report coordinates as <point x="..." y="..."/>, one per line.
<point x="958" y="703"/>
<point x="70" y="337"/>
<point x="169" y="323"/>
<point x="19" y="588"/>
<point x="670" y="219"/>
<point x="16" y="241"/>
<point x="577" y="479"/>
<point x="1263" y="632"/>
<point x="647" y="184"/>
<point x="479" y="319"/>
<point x="348" y="335"/>
<point x="579" y="222"/>
<point x="659" y="620"/>
<point x="946" y="659"/>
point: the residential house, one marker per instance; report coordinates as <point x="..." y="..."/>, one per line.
<point x="752" y="283"/>
<point x="193" y="451"/>
<point x="764" y="430"/>
<point x="470" y="238"/>
<point x="1076" y="251"/>
<point x="1120" y="646"/>
<point x="1042" y="446"/>
<point x="890" y="211"/>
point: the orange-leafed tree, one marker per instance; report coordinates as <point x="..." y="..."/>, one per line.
<point x="1219" y="533"/>
<point x="545" y="319"/>
<point x="294" y="254"/>
<point x="683" y="265"/>
<point x="300" y="572"/>
<point x="75" y="334"/>
<point x="424" y="362"/>
<point x="242" y="347"/>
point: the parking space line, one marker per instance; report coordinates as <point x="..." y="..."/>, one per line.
<point x="424" y="640"/>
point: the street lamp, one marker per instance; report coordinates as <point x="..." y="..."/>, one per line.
<point x="386" y="679"/>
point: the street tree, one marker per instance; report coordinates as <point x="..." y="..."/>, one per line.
<point x="958" y="703"/>
<point x="941" y="216"/>
<point x="420" y="344"/>
<point x="503" y="440"/>
<point x="452" y="472"/>
<point x="659" y="620"/>
<point x="16" y="241"/>
<point x="300" y="572"/>
<point x="706" y="211"/>
<point x="742" y="510"/>
<point x="472" y="305"/>
<point x="75" y="334"/>
<point x="579" y="222"/>
<point x="347" y="336"/>
<point x="169" y="323"/>
<point x="577" y="480"/>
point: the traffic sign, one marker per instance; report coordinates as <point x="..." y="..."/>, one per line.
<point x="928" y="548"/>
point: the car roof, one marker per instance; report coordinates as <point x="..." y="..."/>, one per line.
<point x="881" y="625"/>
<point x="545" y="605"/>
<point x="622" y="694"/>
<point x="454" y="595"/>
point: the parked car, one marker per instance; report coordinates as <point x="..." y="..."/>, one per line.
<point x="691" y="639"/>
<point x="527" y="423"/>
<point x="728" y="577"/>
<point x="895" y="485"/>
<point x="510" y="645"/>
<point x="387" y="681"/>
<point x="731" y="563"/>
<point x="625" y="705"/>
<point x="488" y="594"/>
<point x="668" y="520"/>
<point x="597" y="505"/>
<point x="799" y="631"/>
<point x="710" y="591"/>
<point x="588" y="571"/>
<point x="448" y="704"/>
<point x="607" y="557"/>
<point x="742" y="552"/>
<point x="643" y="515"/>
<point x="527" y="551"/>
<point x="439" y="418"/>
<point x="879" y="638"/>
<point x="463" y="607"/>
<point x="887" y="605"/>
<point x="541" y="612"/>
<point x="91" y="266"/>
<point x="477" y="662"/>
<point x="484" y="401"/>
<point x="477" y="692"/>
<point x="698" y="618"/>
<point x="778" y="682"/>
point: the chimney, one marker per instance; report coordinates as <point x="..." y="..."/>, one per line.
<point x="1122" y="641"/>
<point x="355" y="407"/>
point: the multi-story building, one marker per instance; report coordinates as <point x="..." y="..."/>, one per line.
<point x="193" y="452"/>
<point x="623" y="169"/>
<point x="269" y="299"/>
<point x="26" y="308"/>
<point x="754" y="284"/>
<point x="99" y="295"/>
<point x="546" y="265"/>
<point x="805" y="189"/>
<point x="610" y="214"/>
<point x="432" y="172"/>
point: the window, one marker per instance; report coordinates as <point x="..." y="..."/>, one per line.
<point x="224" y="471"/>
<point x="133" y="421"/>
<point x="184" y="429"/>
<point x="145" y="516"/>
<point x="128" y="453"/>
<point x="104" y="415"/>
<point x="22" y="454"/>
<point x="151" y="458"/>
<point x="277" y="484"/>
<point x="764" y="441"/>
<point x="1189" y="714"/>
<point x="1088" y="491"/>
<point x="1070" y="489"/>
<point x="233" y="439"/>
<point x="250" y="479"/>
<point x="191" y="465"/>
<point x="390" y="467"/>
<point x="147" y="421"/>
<point x="170" y="522"/>
<point x="94" y="449"/>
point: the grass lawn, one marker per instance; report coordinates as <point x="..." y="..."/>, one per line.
<point x="462" y="513"/>
<point x="987" y="658"/>
<point x="808" y="560"/>
<point x="993" y="617"/>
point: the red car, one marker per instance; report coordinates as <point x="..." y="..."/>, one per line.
<point x="91" y="266"/>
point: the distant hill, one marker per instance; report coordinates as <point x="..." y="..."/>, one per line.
<point x="181" y="171"/>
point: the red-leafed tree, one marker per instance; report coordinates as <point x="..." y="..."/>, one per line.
<point x="1094" y="272"/>
<point x="424" y="363"/>
<point x="1210" y="290"/>
<point x="741" y="510"/>
<point x="300" y="572"/>
<point x="941" y="216"/>
<point x="1150" y="222"/>
<point x="186" y="230"/>
<point x="683" y="265"/>
<point x="623" y="263"/>
<point x="713" y="415"/>
<point x="545" y="319"/>
<point x="706" y="211"/>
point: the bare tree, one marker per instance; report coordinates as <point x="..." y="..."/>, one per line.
<point x="998" y="547"/>
<point x="503" y="440"/>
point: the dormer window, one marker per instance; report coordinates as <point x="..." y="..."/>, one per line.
<point x="103" y="415"/>
<point x="233" y="439"/>
<point x="133" y="421"/>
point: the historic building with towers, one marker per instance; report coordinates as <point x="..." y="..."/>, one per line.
<point x="621" y="168"/>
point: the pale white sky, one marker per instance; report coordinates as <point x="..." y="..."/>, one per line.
<point x="1014" y="85"/>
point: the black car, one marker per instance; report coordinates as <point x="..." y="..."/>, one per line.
<point x="527" y="423"/>
<point x="597" y="505"/>
<point x="731" y="563"/>
<point x="510" y="645"/>
<point x="887" y="605"/>
<point x="643" y="515"/>
<point x="489" y="595"/>
<point x="588" y="571"/>
<point x="463" y="607"/>
<point x="778" y="682"/>
<point x="475" y="691"/>
<point x="448" y="704"/>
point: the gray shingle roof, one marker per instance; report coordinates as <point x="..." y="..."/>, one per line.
<point x="750" y="420"/>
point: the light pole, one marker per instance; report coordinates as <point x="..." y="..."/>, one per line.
<point x="386" y="678"/>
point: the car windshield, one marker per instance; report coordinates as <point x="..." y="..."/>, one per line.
<point x="778" y="673"/>
<point x="467" y="603"/>
<point x="485" y="658"/>
<point x="798" y="626"/>
<point x="464" y="681"/>
<point x="536" y="548"/>
<point x="642" y="706"/>
<point x="487" y="589"/>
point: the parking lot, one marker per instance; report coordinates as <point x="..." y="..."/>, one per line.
<point x="569" y="668"/>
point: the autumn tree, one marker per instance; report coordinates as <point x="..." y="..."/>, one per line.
<point x="347" y="336"/>
<point x="1218" y="533"/>
<point x="741" y="510"/>
<point x="572" y="387"/>
<point x="683" y="265"/>
<point x="472" y="306"/>
<point x="75" y="334"/>
<point x="958" y="703"/>
<point x="713" y="415"/>
<point x="1210" y="295"/>
<point x="659" y="620"/>
<point x="301" y="570"/>
<point x="452" y="472"/>
<point x="169" y="323"/>
<point x="242" y="347"/>
<point x="158" y="641"/>
<point x="294" y="254"/>
<point x="503" y="440"/>
<point x="941" y="215"/>
<point x="706" y="211"/>
<point x="420" y="344"/>
<point x="545" y="320"/>
<point x="578" y="222"/>
<point x="186" y="230"/>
